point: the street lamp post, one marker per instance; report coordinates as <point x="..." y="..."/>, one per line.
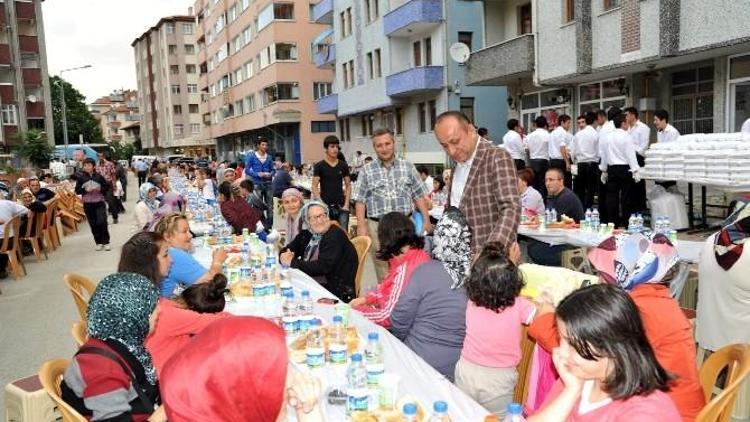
<point x="61" y="84"/>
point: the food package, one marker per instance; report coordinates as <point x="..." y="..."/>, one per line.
<point x="297" y="348"/>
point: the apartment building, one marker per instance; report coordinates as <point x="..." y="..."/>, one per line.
<point x="393" y="70"/>
<point x="166" y="63"/>
<point x="690" y="57"/>
<point x="25" y="101"/>
<point x="118" y="116"/>
<point x="258" y="78"/>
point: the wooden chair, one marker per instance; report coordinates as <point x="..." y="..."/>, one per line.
<point x="362" y="244"/>
<point x="11" y="246"/>
<point x="35" y="233"/>
<point x="51" y="239"/>
<point x="81" y="288"/>
<point x="524" y="367"/>
<point x="50" y="375"/>
<point x="736" y="360"/>
<point x="79" y="332"/>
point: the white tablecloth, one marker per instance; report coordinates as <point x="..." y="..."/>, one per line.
<point x="689" y="251"/>
<point x="418" y="378"/>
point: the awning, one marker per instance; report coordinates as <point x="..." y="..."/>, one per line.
<point x="322" y="36"/>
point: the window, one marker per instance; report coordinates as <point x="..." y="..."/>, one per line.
<point x="428" y="51"/>
<point x="187" y="28"/>
<point x="421" y="113"/>
<point x="370" y="68"/>
<point x="249" y="70"/>
<point x="177" y="109"/>
<point x="345" y="130"/>
<point x="288" y="91"/>
<point x="345" y="75"/>
<point x="467" y="107"/>
<point x="195" y="128"/>
<point x="371" y="10"/>
<point x="376" y="59"/>
<point x="178" y="129"/>
<point x="193" y="108"/>
<point x="170" y="27"/>
<point x="9" y="114"/>
<point x="232" y="14"/>
<point x="238" y="76"/>
<point x="598" y="95"/>
<point x="346" y="22"/>
<point x="286" y="51"/>
<point x="417" y="50"/>
<point x="323" y="126"/>
<point x="269" y="95"/>
<point x="322" y="89"/>
<point x="568" y="11"/>
<point x="367" y="123"/>
<point x="174" y="69"/>
<point x="237" y="43"/>
<point x="611" y="4"/>
<point x="244" y="4"/>
<point x="351" y="73"/>
<point x="249" y="103"/>
<point x="172" y="49"/>
<point x="432" y="109"/>
<point x="192" y="88"/>
<point x="175" y="89"/>
<point x="693" y="100"/>
<point x="190" y="68"/>
<point x="239" y="108"/>
<point x="524" y="19"/>
<point x="283" y="11"/>
<point x="465" y="37"/>
<point x="247" y="35"/>
<point x="189" y="49"/>
<point x="342" y="17"/>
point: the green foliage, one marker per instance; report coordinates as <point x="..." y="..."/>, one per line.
<point x="80" y="119"/>
<point x="33" y="146"/>
<point x="122" y="151"/>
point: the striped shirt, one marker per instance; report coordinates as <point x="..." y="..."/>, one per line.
<point x="385" y="189"/>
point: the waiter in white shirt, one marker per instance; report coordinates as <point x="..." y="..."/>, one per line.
<point x="558" y="147"/>
<point x="513" y="143"/>
<point x="665" y="133"/>
<point x="584" y="151"/>
<point x="640" y="132"/>
<point x="605" y="130"/>
<point x="538" y="144"/>
<point x="619" y="172"/>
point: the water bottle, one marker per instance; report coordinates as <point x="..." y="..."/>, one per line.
<point x="639" y="223"/>
<point x="595" y="218"/>
<point x="440" y="412"/>
<point x="357" y="394"/>
<point x="667" y="225"/>
<point x="374" y="359"/>
<point x="410" y="412"/>
<point x="553" y="214"/>
<point x="631" y="224"/>
<point x="306" y="304"/>
<point x="547" y="216"/>
<point x="245" y="252"/>
<point x="587" y="221"/>
<point x="315" y="350"/>
<point x="289" y="316"/>
<point x="515" y="413"/>
<point x="337" y="346"/>
<point x="658" y="225"/>
<point x="270" y="257"/>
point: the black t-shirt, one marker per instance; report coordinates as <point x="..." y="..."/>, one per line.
<point x="331" y="181"/>
<point x="44" y="194"/>
<point x="566" y="203"/>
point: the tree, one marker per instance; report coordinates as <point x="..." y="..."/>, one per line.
<point x="80" y="119"/>
<point x="122" y="151"/>
<point x="33" y="146"/>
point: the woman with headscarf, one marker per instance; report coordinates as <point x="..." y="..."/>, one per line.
<point x="219" y="376"/>
<point x="323" y="252"/>
<point x="112" y="377"/>
<point x="429" y="317"/>
<point x="292" y="201"/>
<point x="238" y="213"/>
<point x="644" y="268"/>
<point x="144" y="209"/>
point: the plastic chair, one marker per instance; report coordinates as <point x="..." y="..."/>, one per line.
<point x="81" y="288"/>
<point x="35" y="233"/>
<point x="50" y="375"/>
<point x="11" y="246"/>
<point x="79" y="332"/>
<point x="524" y="367"/>
<point x="362" y="244"/>
<point x="736" y="360"/>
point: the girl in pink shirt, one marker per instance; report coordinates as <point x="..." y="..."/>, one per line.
<point x="495" y="314"/>
<point x="608" y="371"/>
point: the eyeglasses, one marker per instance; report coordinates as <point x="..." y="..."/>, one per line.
<point x="319" y="217"/>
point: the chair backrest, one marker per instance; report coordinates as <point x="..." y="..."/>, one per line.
<point x="49" y="219"/>
<point x="10" y="230"/>
<point x="735" y="359"/>
<point x="50" y="375"/>
<point x="81" y="288"/>
<point x="362" y="244"/>
<point x="34" y="225"/>
<point x="524" y="367"/>
<point x="79" y="332"/>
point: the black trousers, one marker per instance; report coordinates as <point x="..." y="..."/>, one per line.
<point x="619" y="200"/>
<point x="141" y="177"/>
<point x="639" y="189"/>
<point x="96" y="214"/>
<point x="557" y="163"/>
<point x="265" y="189"/>
<point x="520" y="164"/>
<point x="540" y="169"/>
<point x="4" y="258"/>
<point x="113" y="204"/>
<point x="586" y="183"/>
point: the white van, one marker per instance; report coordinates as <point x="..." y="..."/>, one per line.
<point x="149" y="159"/>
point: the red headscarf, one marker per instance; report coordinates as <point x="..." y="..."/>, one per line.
<point x="234" y="370"/>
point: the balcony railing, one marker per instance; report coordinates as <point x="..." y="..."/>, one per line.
<point x="32" y="77"/>
<point x="501" y="63"/>
<point x="414" y="81"/>
<point x="323" y="12"/>
<point x="413" y="17"/>
<point x="25" y="10"/>
<point x="28" y="44"/>
<point x="328" y="104"/>
<point x="326" y="57"/>
<point x="35" y="109"/>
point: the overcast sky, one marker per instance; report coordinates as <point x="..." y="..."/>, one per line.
<point x="99" y="33"/>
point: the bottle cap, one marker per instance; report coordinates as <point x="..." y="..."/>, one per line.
<point x="305" y="293"/>
<point x="337" y="318"/>
<point x="515" y="409"/>
<point x="410" y="409"/>
<point x="373" y="336"/>
<point x="357" y="357"/>
<point x="440" y="406"/>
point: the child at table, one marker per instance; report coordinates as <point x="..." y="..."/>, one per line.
<point x="486" y="370"/>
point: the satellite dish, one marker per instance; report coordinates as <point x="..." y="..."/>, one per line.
<point x="460" y="52"/>
<point x="31" y="98"/>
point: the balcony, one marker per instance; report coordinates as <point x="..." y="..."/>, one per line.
<point x="323" y="12"/>
<point x="4" y="54"/>
<point x="501" y="63"/>
<point x="25" y="10"/>
<point x="35" y="110"/>
<point x="7" y="94"/>
<point x="415" y="81"/>
<point x="413" y="17"/>
<point x="328" y="104"/>
<point x="32" y="77"/>
<point x="28" y="44"/>
<point x="325" y="57"/>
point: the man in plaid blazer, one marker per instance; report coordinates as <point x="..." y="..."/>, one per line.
<point x="484" y="183"/>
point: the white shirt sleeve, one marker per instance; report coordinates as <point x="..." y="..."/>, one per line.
<point x="746" y="127"/>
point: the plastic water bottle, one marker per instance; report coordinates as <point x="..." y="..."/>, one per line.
<point x="270" y="257"/>
<point x="587" y="220"/>
<point x="245" y="252"/>
<point x="667" y="225"/>
<point x="595" y="218"/>
<point x="639" y="222"/>
<point x="306" y="304"/>
<point x="289" y="317"/>
<point x="657" y="225"/>
<point x="409" y="412"/>
<point x="515" y="413"/>
<point x="315" y="350"/>
<point x="553" y="214"/>
<point x="440" y="412"/>
<point x="357" y="394"/>
<point x="547" y="216"/>
<point x="337" y="346"/>
<point x="374" y="359"/>
<point x="632" y="224"/>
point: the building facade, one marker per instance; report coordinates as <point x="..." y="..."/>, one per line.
<point x="393" y="70"/>
<point x="25" y="101"/>
<point x="166" y="63"/>
<point x="118" y="116"/>
<point x="690" y="57"/>
<point x="258" y="78"/>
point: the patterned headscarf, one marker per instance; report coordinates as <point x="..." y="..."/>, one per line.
<point x="311" y="250"/>
<point x="120" y="309"/>
<point x="730" y="241"/>
<point x="144" y="190"/>
<point x="452" y="245"/>
<point x="630" y="260"/>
